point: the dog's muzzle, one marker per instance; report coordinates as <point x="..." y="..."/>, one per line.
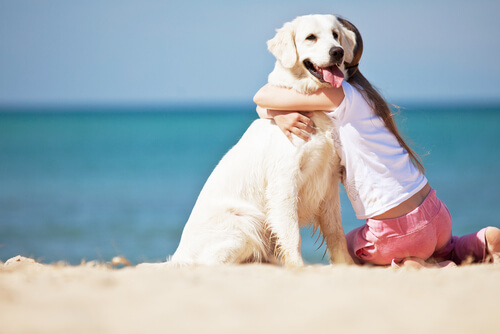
<point x="331" y="73"/>
<point x="337" y="54"/>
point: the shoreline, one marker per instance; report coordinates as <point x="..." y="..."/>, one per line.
<point x="253" y="298"/>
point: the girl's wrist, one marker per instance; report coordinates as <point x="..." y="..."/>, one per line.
<point x="264" y="113"/>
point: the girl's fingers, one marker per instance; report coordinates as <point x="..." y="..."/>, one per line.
<point x="295" y="123"/>
<point x="299" y="133"/>
<point x="304" y="118"/>
<point x="306" y="125"/>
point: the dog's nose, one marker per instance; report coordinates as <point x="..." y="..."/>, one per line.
<point x="337" y="53"/>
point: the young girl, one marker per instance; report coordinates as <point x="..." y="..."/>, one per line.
<point x="406" y="223"/>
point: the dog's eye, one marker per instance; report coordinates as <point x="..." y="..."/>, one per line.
<point x="335" y="35"/>
<point x="311" y="37"/>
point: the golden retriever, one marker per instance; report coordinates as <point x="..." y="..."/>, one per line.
<point x="265" y="188"/>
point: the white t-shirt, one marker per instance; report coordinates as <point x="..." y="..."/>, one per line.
<point x="379" y="173"/>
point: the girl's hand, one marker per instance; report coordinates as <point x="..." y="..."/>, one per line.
<point x="298" y="123"/>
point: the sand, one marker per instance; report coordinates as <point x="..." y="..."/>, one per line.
<point x="96" y="298"/>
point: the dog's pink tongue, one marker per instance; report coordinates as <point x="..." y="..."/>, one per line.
<point x="334" y="76"/>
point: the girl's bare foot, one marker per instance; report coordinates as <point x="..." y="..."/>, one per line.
<point x="492" y="236"/>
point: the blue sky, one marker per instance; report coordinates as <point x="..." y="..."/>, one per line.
<point x="124" y="51"/>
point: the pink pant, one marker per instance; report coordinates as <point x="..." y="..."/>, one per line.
<point x="424" y="233"/>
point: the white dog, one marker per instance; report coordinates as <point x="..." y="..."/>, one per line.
<point x="254" y="202"/>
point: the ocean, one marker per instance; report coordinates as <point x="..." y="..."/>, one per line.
<point x="91" y="183"/>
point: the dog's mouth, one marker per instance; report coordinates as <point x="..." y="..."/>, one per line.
<point x="333" y="75"/>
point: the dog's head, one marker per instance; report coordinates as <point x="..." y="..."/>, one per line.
<point x="315" y="47"/>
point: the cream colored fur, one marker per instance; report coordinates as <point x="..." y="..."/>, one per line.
<point x="291" y="47"/>
<point x="265" y="188"/>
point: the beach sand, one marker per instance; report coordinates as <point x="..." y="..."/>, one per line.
<point x="95" y="298"/>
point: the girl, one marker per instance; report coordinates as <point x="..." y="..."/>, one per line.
<point x="406" y="223"/>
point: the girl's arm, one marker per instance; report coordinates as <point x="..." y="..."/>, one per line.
<point x="281" y="104"/>
<point x="263" y="113"/>
<point x="278" y="98"/>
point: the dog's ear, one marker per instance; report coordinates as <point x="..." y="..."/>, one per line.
<point x="348" y="42"/>
<point x="282" y="46"/>
<point x="351" y="42"/>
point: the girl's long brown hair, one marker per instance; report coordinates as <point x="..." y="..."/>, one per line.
<point x="372" y="96"/>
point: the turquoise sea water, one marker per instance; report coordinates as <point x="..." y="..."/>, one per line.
<point x="92" y="183"/>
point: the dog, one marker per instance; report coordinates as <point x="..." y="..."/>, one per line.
<point x="265" y="188"/>
<point x="312" y="52"/>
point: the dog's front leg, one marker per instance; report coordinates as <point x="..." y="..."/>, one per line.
<point x="282" y="219"/>
<point x="331" y="226"/>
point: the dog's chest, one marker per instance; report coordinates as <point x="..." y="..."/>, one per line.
<point x="315" y="177"/>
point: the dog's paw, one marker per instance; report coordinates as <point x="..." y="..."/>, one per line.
<point x="293" y="261"/>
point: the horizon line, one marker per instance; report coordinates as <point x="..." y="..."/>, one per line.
<point x="216" y="103"/>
